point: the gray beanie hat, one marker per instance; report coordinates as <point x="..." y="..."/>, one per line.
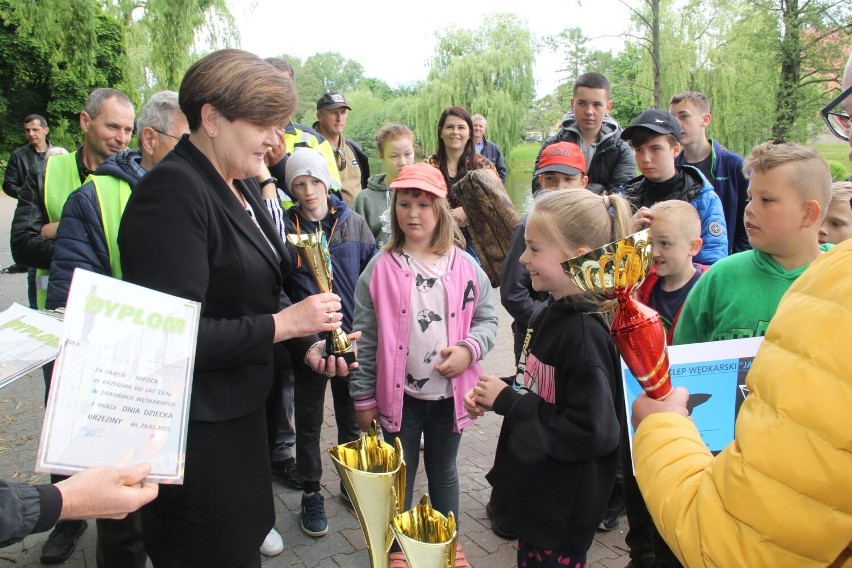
<point x="306" y="162"/>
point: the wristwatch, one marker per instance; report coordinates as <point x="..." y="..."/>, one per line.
<point x="270" y="179"/>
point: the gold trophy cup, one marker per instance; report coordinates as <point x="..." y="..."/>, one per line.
<point x="373" y="473"/>
<point x="313" y="251"/>
<point x="427" y="538"/>
<point x="615" y="271"/>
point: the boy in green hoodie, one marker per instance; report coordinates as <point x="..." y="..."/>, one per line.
<point x="789" y="192"/>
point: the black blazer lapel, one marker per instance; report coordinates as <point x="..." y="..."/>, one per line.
<point x="221" y="193"/>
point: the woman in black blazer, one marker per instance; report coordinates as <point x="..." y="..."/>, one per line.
<point x="193" y="229"/>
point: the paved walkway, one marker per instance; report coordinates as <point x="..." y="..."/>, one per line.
<point x="21" y="413"/>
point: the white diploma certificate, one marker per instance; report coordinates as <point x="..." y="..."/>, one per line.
<point x="28" y="340"/>
<point x="122" y="382"/>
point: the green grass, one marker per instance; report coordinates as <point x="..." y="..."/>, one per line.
<point x="838" y="152"/>
<point x="523" y="157"/>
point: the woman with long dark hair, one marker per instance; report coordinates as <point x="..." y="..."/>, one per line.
<point x="456" y="154"/>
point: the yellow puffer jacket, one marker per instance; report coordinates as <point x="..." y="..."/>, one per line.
<point x="781" y="494"/>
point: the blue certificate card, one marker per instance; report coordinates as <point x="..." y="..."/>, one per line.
<point x="715" y="376"/>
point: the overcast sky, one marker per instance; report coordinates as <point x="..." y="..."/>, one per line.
<point x="395" y="40"/>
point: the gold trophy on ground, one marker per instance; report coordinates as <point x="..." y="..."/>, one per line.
<point x="615" y="271"/>
<point x="427" y="538"/>
<point x="373" y="473"/>
<point x="313" y="251"/>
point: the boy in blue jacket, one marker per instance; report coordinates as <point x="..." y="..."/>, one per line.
<point x="655" y="137"/>
<point x="351" y="246"/>
<point x="722" y="167"/>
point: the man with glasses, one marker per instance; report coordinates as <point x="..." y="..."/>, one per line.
<point x="351" y="160"/>
<point x="87" y="239"/>
<point x="777" y="495"/>
<point x="88" y="228"/>
<point x="836" y="113"/>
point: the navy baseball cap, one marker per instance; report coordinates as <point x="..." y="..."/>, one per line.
<point x="656" y="120"/>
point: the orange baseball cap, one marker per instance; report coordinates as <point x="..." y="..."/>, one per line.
<point x="421" y="176"/>
<point x="563" y="157"/>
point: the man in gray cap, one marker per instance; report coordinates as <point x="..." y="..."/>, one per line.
<point x="351" y="160"/>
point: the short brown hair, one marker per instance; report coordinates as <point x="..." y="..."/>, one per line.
<point x="811" y="178"/>
<point x="240" y="85"/>
<point x="681" y="213"/>
<point x="390" y="132"/>
<point x="643" y="135"/>
<point x="697" y="99"/>
<point x="592" y="81"/>
<point x="446" y="232"/>
<point x="841" y="191"/>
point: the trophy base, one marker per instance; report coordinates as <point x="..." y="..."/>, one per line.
<point x="348" y="356"/>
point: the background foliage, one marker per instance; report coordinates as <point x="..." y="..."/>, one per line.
<point x="766" y="65"/>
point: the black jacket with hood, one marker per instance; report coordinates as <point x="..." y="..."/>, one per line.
<point x="613" y="163"/>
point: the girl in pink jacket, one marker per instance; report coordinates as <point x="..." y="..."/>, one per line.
<point x="424" y="307"/>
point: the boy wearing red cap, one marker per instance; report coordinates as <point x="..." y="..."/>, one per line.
<point x="561" y="166"/>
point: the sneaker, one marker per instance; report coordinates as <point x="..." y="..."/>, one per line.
<point x="61" y="542"/>
<point x="286" y="469"/>
<point x="273" y="544"/>
<point x="313" y="521"/>
<point x="344" y="494"/>
<point x="495" y="528"/>
<point x="613" y="512"/>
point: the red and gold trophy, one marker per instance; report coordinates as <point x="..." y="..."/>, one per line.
<point x="615" y="271"/>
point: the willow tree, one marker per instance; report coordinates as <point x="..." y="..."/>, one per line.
<point x="38" y="77"/>
<point x="162" y="36"/>
<point x="159" y="43"/>
<point x="489" y="71"/>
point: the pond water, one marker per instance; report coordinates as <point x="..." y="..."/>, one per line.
<point x="518" y="185"/>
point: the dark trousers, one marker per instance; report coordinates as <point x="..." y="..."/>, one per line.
<point x="280" y="412"/>
<point x="120" y="542"/>
<point x="309" y="391"/>
<point x="647" y="547"/>
<point x="435" y="420"/>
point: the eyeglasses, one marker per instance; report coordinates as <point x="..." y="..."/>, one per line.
<point x="165" y="134"/>
<point x="340" y="158"/>
<point x="836" y="117"/>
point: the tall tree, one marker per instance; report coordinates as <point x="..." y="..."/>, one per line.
<point x="574" y="46"/>
<point x="808" y="50"/>
<point x="647" y="16"/>
<point x="37" y="79"/>
<point x="334" y="72"/>
<point x="322" y="73"/>
<point x="158" y="45"/>
<point x="487" y="70"/>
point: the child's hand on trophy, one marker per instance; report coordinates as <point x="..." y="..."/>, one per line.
<point x="317" y="359"/>
<point x="365" y="417"/>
